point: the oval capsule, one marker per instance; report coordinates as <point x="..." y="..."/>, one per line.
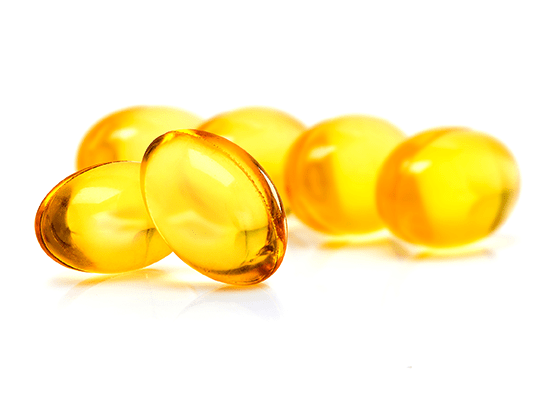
<point x="214" y="206"/>
<point x="331" y="173"/>
<point x="447" y="187"/>
<point x="95" y="221"/>
<point x="126" y="134"/>
<point x="266" y="134"/>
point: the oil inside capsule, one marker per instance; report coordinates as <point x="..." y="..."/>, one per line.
<point x="126" y="134"/>
<point x="214" y="206"/>
<point x="95" y="221"/>
<point x="447" y="187"/>
<point x="331" y="173"/>
<point x="266" y="134"/>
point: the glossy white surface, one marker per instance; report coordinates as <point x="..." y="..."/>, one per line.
<point x="337" y="320"/>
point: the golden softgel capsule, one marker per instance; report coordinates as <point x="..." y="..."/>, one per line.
<point x="447" y="187"/>
<point x="331" y="173"/>
<point x="126" y="134"/>
<point x="214" y="206"/>
<point x="266" y="134"/>
<point x="95" y="221"/>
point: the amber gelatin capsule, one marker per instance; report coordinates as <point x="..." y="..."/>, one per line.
<point x="447" y="187"/>
<point x="266" y="134"/>
<point x="126" y="134"/>
<point x="95" y="221"/>
<point x="214" y="206"/>
<point x="331" y="173"/>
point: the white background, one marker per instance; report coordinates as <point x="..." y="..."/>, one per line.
<point x="336" y="321"/>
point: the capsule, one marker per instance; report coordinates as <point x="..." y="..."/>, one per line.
<point x="331" y="173"/>
<point x="95" y="221"/>
<point x="447" y="187"/>
<point x="126" y="134"/>
<point x="214" y="206"/>
<point x="266" y="134"/>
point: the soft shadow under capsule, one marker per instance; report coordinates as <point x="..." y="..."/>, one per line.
<point x="215" y="206"/>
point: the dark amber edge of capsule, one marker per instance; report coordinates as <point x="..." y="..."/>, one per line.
<point x="45" y="202"/>
<point x="202" y="135"/>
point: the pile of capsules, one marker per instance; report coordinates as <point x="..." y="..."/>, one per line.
<point x="210" y="191"/>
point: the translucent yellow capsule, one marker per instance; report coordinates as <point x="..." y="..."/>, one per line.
<point x="214" y="206"/>
<point x="447" y="187"/>
<point x="331" y="173"/>
<point x="126" y="134"/>
<point x="95" y="221"/>
<point x="266" y="134"/>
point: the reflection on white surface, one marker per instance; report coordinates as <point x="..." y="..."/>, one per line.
<point x="258" y="300"/>
<point x="389" y="246"/>
<point x="167" y="293"/>
<point x="354" y="313"/>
